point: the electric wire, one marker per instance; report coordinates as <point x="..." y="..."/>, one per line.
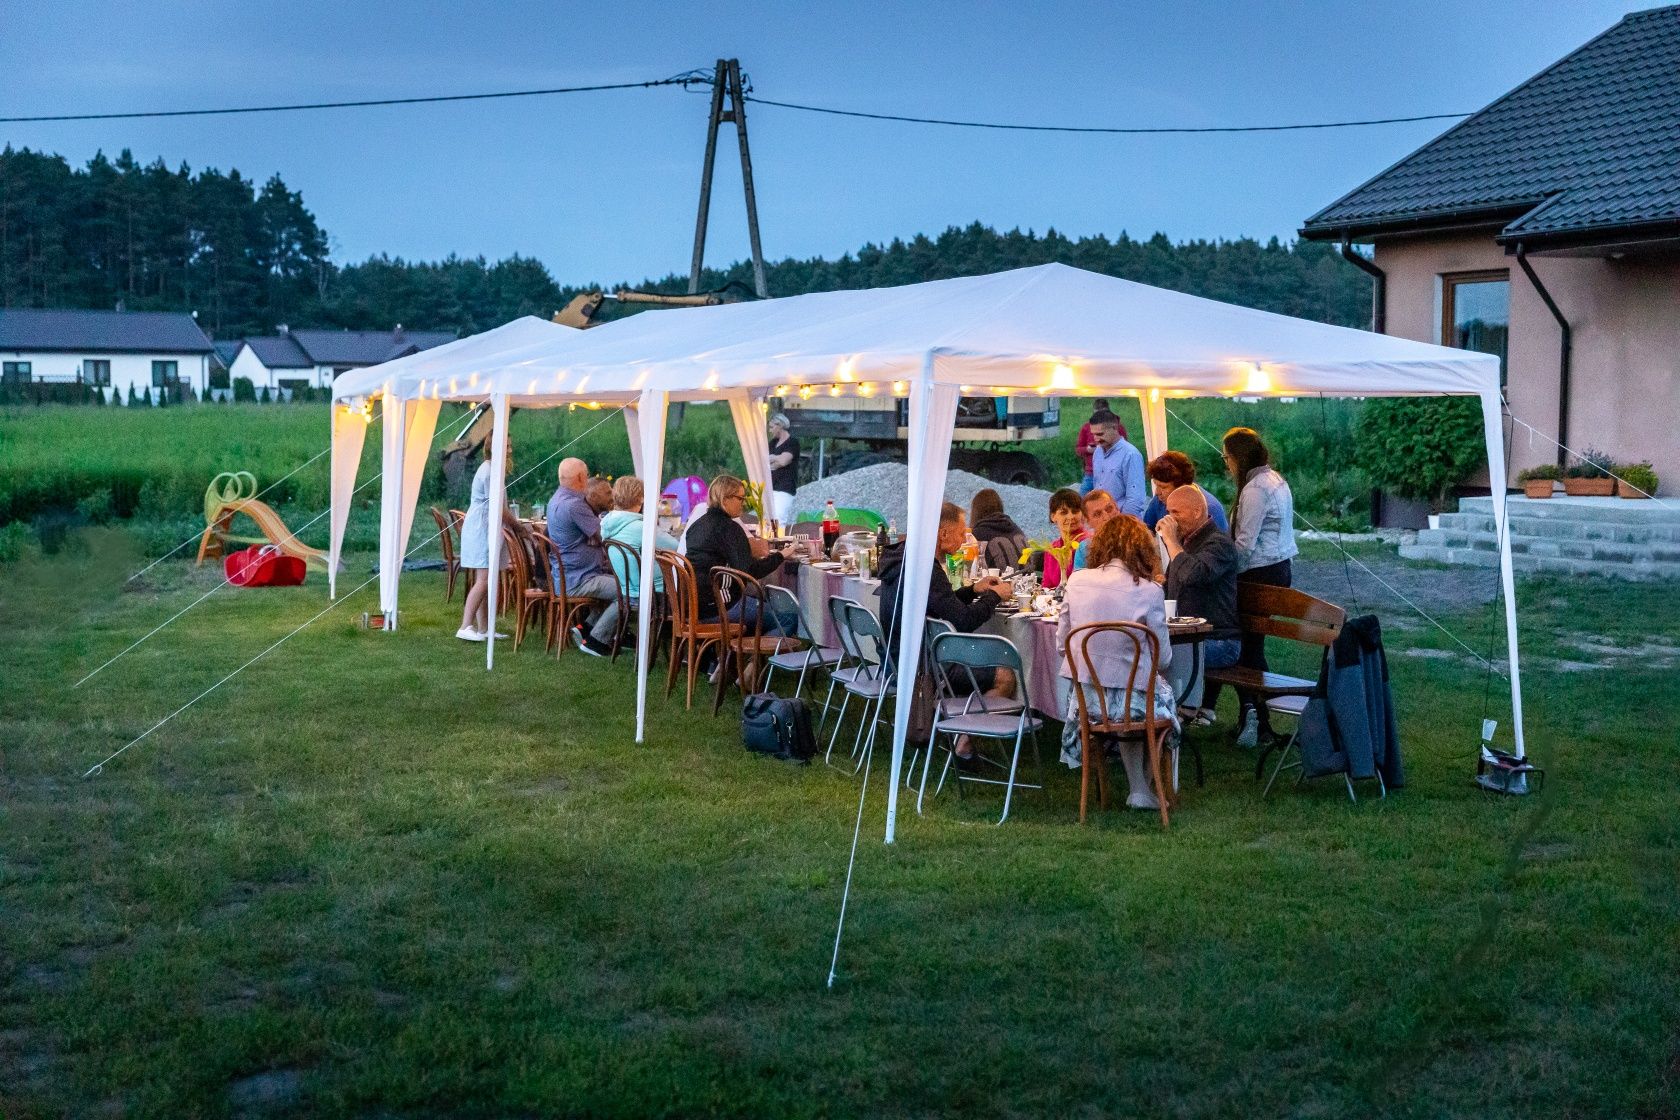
<point x="99" y="766"/>
<point x="676" y="80"/>
<point x="1163" y="130"/>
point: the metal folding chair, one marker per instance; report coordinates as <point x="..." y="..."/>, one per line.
<point x="871" y="682"/>
<point x="782" y="601"/>
<point x="958" y="658"/>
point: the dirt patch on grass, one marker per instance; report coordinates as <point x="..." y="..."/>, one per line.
<point x="268" y="1092"/>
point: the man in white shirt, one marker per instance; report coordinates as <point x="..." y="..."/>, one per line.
<point x="1117" y="466"/>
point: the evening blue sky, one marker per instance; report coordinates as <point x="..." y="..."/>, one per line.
<point x="602" y="187"/>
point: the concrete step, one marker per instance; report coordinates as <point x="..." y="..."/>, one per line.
<point x="1662" y="552"/>
<point x="1539" y="563"/>
<point x="1566" y="528"/>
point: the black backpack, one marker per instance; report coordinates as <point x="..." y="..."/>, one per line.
<point x="781" y="728"/>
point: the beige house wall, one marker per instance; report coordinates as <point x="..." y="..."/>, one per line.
<point x="1625" y="370"/>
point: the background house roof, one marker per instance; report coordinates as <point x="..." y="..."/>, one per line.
<point x="279" y="351"/>
<point x="171" y="332"/>
<point x="365" y="348"/>
<point x="227" y="349"/>
<point x="1588" y="146"/>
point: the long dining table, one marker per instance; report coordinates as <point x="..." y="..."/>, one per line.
<point x="1035" y="637"/>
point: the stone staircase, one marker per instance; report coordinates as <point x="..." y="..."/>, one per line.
<point x="1572" y="536"/>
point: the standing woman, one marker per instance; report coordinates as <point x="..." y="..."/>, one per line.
<point x="1263" y="529"/>
<point x="475" y="552"/>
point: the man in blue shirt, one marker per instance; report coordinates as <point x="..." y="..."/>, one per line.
<point x="1117" y="466"/>
<point x="575" y="529"/>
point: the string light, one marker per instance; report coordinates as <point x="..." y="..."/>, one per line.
<point x="834" y="390"/>
<point x="805" y="392"/>
<point x="1259" y="381"/>
<point x="898" y="388"/>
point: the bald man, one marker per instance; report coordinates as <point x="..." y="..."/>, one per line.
<point x="575" y="529"/>
<point x="1202" y="576"/>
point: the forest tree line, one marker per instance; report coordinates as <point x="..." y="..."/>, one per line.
<point x="247" y="257"/>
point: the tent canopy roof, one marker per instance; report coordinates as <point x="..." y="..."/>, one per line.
<point x="1051" y="329"/>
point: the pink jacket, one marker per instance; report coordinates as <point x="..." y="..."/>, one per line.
<point x="1053" y="574"/>
<point x="1111" y="594"/>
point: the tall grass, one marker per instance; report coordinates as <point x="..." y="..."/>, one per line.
<point x="77" y="465"/>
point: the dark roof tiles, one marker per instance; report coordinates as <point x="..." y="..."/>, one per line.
<point x="1591" y="142"/>
<point x="365" y="348"/>
<point x="157" y="332"/>
<point x="279" y="352"/>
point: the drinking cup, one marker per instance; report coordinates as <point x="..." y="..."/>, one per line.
<point x="1172" y="608"/>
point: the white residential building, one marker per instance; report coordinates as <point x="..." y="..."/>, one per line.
<point x="295" y="359"/>
<point x="110" y="350"/>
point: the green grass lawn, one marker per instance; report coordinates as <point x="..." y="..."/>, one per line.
<point x="366" y="878"/>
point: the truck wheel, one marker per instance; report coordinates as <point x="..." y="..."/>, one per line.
<point x="1017" y="468"/>
<point x="857" y="460"/>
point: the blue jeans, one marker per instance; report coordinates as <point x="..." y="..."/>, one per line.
<point x="784" y="623"/>
<point x="1217" y="653"/>
<point x="1088" y="484"/>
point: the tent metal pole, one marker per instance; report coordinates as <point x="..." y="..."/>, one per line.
<point x="493" y="524"/>
<point x="652" y="408"/>
<point x="1492" y="418"/>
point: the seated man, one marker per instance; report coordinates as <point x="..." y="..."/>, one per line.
<point x="966" y="609"/>
<point x="1167" y="472"/>
<point x="1099" y="511"/>
<point x="1202" y="576"/>
<point x="576" y="534"/>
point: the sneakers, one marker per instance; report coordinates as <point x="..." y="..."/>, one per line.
<point x="1249" y="737"/>
<point x="468" y="634"/>
<point x="587" y="644"/>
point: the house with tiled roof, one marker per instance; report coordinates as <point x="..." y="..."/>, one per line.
<point x="161" y="352"/>
<point x="1546" y="229"/>
<point x="294" y="359"/>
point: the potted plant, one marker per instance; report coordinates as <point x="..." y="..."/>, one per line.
<point x="1589" y="476"/>
<point x="1538" y="482"/>
<point x="1637" y="480"/>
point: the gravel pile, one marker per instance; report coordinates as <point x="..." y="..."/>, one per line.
<point x="884" y="488"/>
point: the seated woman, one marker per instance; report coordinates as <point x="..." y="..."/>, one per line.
<point x="1001" y="540"/>
<point x="1118" y="586"/>
<point x="1067" y="514"/>
<point x="716" y="540"/>
<point x="623" y="524"/>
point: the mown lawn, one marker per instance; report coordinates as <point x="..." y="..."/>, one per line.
<point x="368" y="879"/>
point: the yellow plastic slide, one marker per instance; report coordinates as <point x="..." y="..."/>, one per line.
<point x="231" y="493"/>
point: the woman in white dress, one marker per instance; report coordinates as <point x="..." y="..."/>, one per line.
<point x="475" y="553"/>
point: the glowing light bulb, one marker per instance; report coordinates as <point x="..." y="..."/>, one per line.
<point x="1062" y="377"/>
<point x="898" y="388"/>
<point x="1259" y="381"/>
<point x="834" y="390"/>
<point x="805" y="392"/>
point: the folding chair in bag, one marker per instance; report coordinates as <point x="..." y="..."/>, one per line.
<point x="1104" y="723"/>
<point x="812" y="656"/>
<point x="959" y="658"/>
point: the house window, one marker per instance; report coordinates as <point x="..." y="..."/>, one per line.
<point x="96" y="371"/>
<point x="1476" y="313"/>
<point x="16" y="373"/>
<point x="164" y="373"/>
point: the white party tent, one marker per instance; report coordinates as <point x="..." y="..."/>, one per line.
<point x="1048" y="330"/>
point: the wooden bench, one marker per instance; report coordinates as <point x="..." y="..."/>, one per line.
<point x="1279" y="612"/>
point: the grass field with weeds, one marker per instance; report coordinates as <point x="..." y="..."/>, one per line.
<point x="366" y="878"/>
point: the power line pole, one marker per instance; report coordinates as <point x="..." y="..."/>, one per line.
<point x="726" y="82"/>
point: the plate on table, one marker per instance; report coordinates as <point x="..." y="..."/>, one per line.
<point x="826" y="565"/>
<point x="1187" y="620"/>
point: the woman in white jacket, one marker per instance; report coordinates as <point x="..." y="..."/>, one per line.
<point x="1119" y="584"/>
<point x="1263" y="529"/>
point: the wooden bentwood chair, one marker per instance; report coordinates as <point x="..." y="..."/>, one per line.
<point x="1093" y="726"/>
<point x="690" y="638"/>
<point x="743" y="645"/>
<point x="567" y="607"/>
<point x="451" y="560"/>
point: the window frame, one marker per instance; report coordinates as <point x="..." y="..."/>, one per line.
<point x="1450" y="283"/>
<point x="174" y="370"/>
<point x="17" y="372"/>
<point x="96" y="371"/>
